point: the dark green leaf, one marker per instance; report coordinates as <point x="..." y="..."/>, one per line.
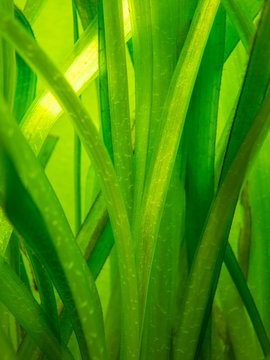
<point x="26" y="79"/>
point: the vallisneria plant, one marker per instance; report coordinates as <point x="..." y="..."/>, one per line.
<point x="134" y="179"/>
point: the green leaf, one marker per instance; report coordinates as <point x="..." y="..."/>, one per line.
<point x="253" y="7"/>
<point x="46" y="110"/>
<point x="142" y="51"/>
<point x="46" y="292"/>
<point x="26" y="79"/>
<point x="243" y="290"/>
<point x="5" y="231"/>
<point x="229" y="295"/>
<point x="77" y="146"/>
<point x="29" y="314"/>
<point x="87" y="10"/>
<point x="24" y="94"/>
<point x="201" y="125"/>
<point x="92" y="189"/>
<point x="6" y="346"/>
<point x="241" y="20"/>
<point x="256" y="82"/>
<point x="240" y="330"/>
<point x="101" y="251"/>
<point x="95" y="247"/>
<point x="167" y="143"/>
<point x="259" y="196"/>
<point x="199" y="284"/>
<point x="161" y="296"/>
<point x="163" y="18"/>
<point x="48" y="225"/>
<point x="130" y="50"/>
<point x="214" y="238"/>
<point x="45" y="288"/>
<point x="32" y="9"/>
<point x="201" y="135"/>
<point x="47" y="150"/>
<point x="119" y="99"/>
<point x="251" y="98"/>
<point x="7" y="61"/>
<point x="102" y="163"/>
<point x="16" y="261"/>
<point x="80" y="69"/>
<point x="92" y="226"/>
<point x="102" y="248"/>
<point x="95" y="251"/>
<point x="103" y="84"/>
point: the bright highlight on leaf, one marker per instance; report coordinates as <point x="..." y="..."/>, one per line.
<point x="134" y="198"/>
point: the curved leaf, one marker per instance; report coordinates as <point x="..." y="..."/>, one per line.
<point x="17" y="299"/>
<point x="102" y="163"/>
<point x="200" y="280"/>
<point x="48" y="236"/>
<point x="209" y="254"/>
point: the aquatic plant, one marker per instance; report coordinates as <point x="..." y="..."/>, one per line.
<point x="134" y="179"/>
